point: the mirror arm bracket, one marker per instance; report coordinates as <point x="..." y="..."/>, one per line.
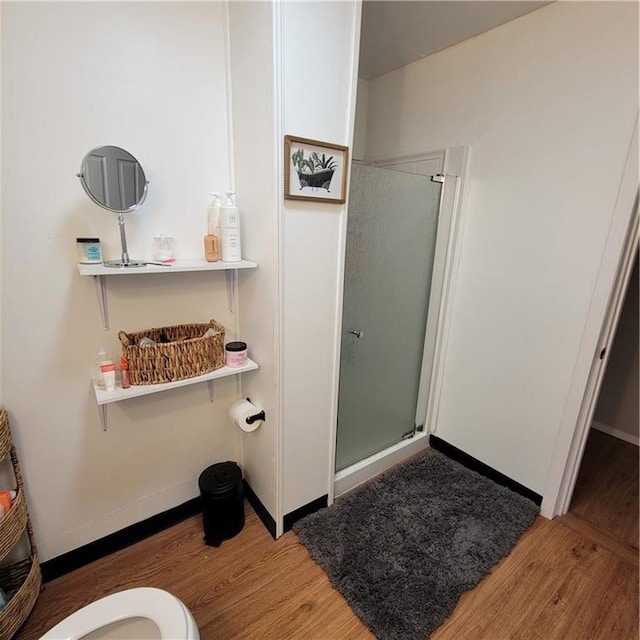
<point x="123" y="239"/>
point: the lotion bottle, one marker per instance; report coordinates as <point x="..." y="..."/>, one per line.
<point x="230" y="230"/>
<point x="108" y="375"/>
<point x="107" y="369"/>
<point x="103" y="358"/>
<point x="211" y="240"/>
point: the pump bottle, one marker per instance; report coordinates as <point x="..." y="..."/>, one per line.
<point x="230" y="230"/>
<point x="211" y="240"/>
<point x="102" y="359"/>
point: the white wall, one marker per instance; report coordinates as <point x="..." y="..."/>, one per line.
<point x="317" y="103"/>
<point x="548" y="104"/>
<point x="291" y="304"/>
<point x="256" y="156"/>
<point x="149" y="77"/>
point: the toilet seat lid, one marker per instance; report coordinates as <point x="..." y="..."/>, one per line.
<point x="169" y="613"/>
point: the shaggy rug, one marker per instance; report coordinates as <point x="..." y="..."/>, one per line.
<point x="403" y="547"/>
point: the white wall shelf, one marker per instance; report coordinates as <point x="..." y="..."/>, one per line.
<point x="179" y="266"/>
<point x="104" y="398"/>
<point x="99" y="272"/>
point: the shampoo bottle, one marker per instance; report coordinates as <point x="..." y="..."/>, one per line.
<point x="230" y="230"/>
<point x="211" y="240"/>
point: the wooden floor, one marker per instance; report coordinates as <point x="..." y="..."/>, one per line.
<point x="565" y="579"/>
<point x="606" y="493"/>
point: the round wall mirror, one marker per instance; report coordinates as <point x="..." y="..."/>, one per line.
<point x="114" y="180"/>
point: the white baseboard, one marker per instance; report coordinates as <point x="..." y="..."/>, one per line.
<point x="370" y="467"/>
<point x="616" y="433"/>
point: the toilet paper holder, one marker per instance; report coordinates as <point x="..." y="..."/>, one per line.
<point x="258" y="416"/>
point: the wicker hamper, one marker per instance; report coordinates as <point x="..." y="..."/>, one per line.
<point x="180" y="352"/>
<point x="20" y="580"/>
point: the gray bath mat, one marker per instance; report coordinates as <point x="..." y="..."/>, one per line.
<point x="403" y="547"/>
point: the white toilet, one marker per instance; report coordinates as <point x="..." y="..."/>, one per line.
<point x="144" y="614"/>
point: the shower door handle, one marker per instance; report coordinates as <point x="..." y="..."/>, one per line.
<point x="358" y="333"/>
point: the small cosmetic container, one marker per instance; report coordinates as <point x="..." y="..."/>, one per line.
<point x="236" y="354"/>
<point x="88" y="250"/>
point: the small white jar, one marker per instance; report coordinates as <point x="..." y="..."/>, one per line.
<point x="88" y="250"/>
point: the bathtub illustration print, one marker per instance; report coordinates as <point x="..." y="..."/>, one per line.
<point x="314" y="170"/>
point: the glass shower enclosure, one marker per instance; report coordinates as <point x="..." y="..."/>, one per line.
<point x="390" y="247"/>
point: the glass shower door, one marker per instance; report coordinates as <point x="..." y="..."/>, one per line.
<point x="391" y="237"/>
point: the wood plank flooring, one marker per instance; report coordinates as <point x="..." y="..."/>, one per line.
<point x="606" y="493"/>
<point x="564" y="580"/>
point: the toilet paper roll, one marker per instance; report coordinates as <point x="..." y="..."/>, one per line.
<point x="240" y="411"/>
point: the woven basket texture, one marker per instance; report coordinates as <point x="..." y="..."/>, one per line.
<point x="12" y="525"/>
<point x="5" y="435"/>
<point x="21" y="581"/>
<point x="181" y="352"/>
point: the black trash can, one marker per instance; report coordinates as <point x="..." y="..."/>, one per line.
<point x="222" y="498"/>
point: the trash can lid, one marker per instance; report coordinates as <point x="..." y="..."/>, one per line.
<point x="220" y="478"/>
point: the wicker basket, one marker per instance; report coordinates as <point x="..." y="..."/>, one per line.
<point x="181" y="352"/>
<point x="12" y="525"/>
<point x="21" y="580"/>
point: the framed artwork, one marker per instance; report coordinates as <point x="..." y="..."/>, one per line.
<point x="314" y="170"/>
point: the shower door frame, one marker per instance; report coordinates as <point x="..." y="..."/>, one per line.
<point x="453" y="163"/>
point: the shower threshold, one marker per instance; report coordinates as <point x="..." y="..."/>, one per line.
<point x="364" y="470"/>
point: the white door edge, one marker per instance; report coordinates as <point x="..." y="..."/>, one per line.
<point x="602" y="320"/>
<point x="596" y="376"/>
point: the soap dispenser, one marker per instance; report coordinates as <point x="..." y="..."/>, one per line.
<point x="211" y="240"/>
<point x="230" y="230"/>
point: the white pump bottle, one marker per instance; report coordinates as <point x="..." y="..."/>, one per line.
<point x="213" y="211"/>
<point x="230" y="248"/>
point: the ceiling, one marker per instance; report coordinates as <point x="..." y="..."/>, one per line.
<point x="395" y="32"/>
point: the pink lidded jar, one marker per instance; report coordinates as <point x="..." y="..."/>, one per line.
<point x="236" y="354"/>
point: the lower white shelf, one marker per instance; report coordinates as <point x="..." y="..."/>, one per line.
<point x="135" y="391"/>
<point x="104" y="398"/>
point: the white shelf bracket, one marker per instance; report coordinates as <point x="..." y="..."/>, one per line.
<point x="102" y="414"/>
<point x="101" y="292"/>
<point x="210" y="387"/>
<point x="231" y="277"/>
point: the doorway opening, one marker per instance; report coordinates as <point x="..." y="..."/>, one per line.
<point x="606" y="490"/>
